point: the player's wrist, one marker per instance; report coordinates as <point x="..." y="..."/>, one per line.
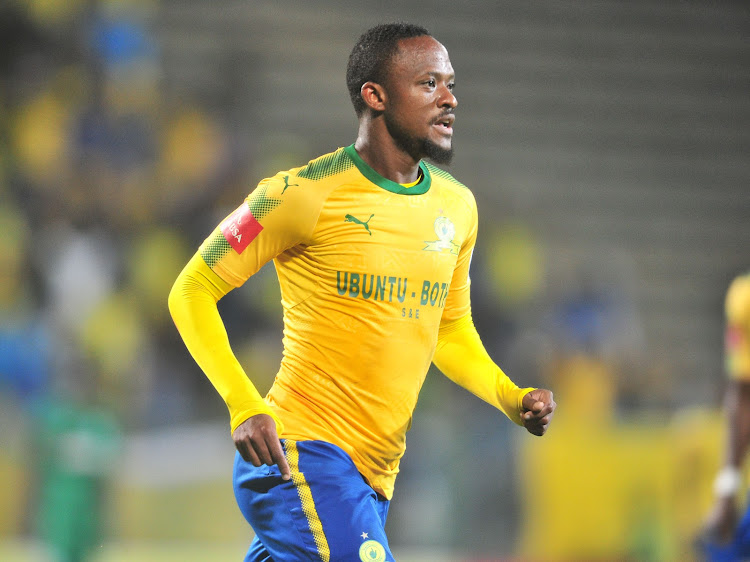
<point x="727" y="482"/>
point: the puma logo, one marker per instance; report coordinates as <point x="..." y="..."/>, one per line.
<point x="287" y="184"/>
<point x="351" y="218"/>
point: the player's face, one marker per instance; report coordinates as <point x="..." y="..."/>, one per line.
<point x="420" y="103"/>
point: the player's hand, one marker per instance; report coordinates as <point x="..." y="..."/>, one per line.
<point x="538" y="409"/>
<point x="722" y="521"/>
<point x="258" y="443"/>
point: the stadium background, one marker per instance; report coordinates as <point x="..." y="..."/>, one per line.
<point x="607" y="144"/>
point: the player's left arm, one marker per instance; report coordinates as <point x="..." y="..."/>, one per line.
<point x="462" y="357"/>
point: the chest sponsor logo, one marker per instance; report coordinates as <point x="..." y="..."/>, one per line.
<point x="445" y="231"/>
<point x="389" y="288"/>
<point x="240" y="228"/>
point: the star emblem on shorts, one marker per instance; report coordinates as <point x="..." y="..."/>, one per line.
<point x="364" y="536"/>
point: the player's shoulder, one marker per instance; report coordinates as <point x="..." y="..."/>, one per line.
<point x="325" y="167"/>
<point x="309" y="182"/>
<point x="738" y="300"/>
<point x="445" y="180"/>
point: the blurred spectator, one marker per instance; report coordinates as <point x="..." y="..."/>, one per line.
<point x="77" y="442"/>
<point x="97" y="161"/>
<point x="24" y="337"/>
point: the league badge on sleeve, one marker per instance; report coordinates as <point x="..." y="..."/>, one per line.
<point x="240" y="228"/>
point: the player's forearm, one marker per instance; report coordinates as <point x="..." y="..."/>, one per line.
<point x="738" y="414"/>
<point x="192" y="304"/>
<point x="461" y="356"/>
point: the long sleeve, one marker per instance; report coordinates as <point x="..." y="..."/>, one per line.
<point x="461" y="356"/>
<point x="192" y="304"/>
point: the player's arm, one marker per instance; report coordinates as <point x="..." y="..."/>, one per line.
<point x="193" y="306"/>
<point x="724" y="517"/>
<point x="737" y="405"/>
<point x="269" y="221"/>
<point x="461" y="356"/>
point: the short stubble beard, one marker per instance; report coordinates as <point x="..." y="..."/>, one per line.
<point x="417" y="148"/>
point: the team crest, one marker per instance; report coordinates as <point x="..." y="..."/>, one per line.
<point x="445" y="231"/>
<point x="372" y="551"/>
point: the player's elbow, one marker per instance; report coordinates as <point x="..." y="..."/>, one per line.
<point x="175" y="297"/>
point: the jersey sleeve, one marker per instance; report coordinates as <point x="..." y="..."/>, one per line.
<point x="737" y="334"/>
<point x="458" y="302"/>
<point x="192" y="304"/>
<point x="461" y="356"/>
<point x="280" y="213"/>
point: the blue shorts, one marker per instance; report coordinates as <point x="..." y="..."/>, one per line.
<point x="325" y="512"/>
<point x="737" y="549"/>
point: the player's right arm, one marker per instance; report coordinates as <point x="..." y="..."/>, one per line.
<point x="271" y="220"/>
<point x="193" y="306"/>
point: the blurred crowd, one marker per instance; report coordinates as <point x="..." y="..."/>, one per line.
<point x="109" y="180"/>
<point x="105" y="182"/>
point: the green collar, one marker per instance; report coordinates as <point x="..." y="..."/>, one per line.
<point x="422" y="187"/>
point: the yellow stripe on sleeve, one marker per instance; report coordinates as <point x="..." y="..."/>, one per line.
<point x="307" y="501"/>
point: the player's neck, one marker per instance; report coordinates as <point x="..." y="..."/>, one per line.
<point x="378" y="149"/>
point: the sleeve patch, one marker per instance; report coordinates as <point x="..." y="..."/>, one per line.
<point x="240" y="228"/>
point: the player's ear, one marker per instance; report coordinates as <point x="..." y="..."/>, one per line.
<point x="374" y="95"/>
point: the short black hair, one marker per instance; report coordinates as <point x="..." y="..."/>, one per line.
<point x="371" y="55"/>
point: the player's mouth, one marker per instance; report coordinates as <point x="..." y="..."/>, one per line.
<point x="444" y="123"/>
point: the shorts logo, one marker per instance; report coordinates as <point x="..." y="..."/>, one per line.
<point x="240" y="228"/>
<point x="372" y="551"/>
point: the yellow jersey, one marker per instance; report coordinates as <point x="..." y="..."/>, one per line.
<point x="737" y="335"/>
<point x="374" y="280"/>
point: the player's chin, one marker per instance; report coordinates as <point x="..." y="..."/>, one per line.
<point x="438" y="150"/>
<point x="443" y="142"/>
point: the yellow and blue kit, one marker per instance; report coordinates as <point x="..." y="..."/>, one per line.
<point x="325" y="512"/>
<point x="737" y="366"/>
<point x="375" y="285"/>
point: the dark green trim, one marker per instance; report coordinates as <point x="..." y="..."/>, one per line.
<point x="422" y="187"/>
<point x="327" y="165"/>
<point x="440" y="173"/>
<point x="260" y="205"/>
<point x="216" y="248"/>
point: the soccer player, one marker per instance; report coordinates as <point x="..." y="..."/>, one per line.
<point x="726" y="537"/>
<point x="372" y="247"/>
